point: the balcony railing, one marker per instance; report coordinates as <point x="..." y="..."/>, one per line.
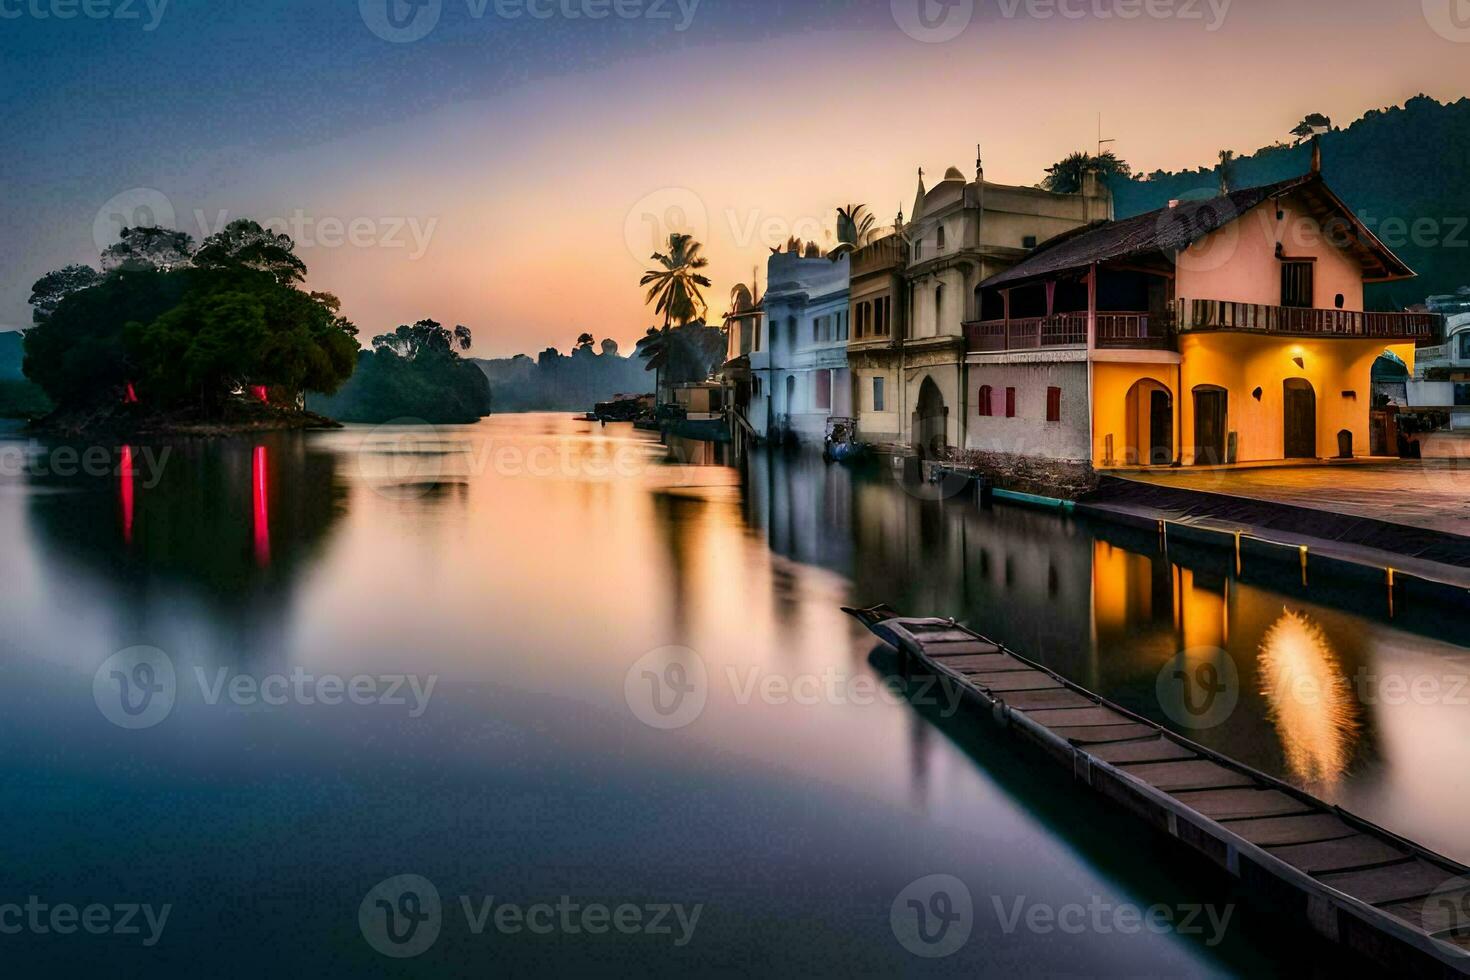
<point x="1119" y="330"/>
<point x="1210" y="314"/>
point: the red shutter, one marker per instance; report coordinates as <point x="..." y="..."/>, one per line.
<point x="1010" y="403"/>
<point x="1053" y="404"/>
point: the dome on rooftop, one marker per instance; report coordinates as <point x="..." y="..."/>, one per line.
<point x="953" y="173"/>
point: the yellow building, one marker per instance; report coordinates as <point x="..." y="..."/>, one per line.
<point x="1219" y="331"/>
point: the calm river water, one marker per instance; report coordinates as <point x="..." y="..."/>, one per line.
<point x="607" y="707"/>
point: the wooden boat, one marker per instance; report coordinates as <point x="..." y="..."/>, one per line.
<point x="1370" y="891"/>
<point x="841" y="444"/>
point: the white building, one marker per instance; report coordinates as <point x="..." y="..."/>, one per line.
<point x="1442" y="374"/>
<point x="798" y="368"/>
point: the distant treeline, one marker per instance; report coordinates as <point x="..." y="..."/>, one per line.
<point x="556" y="382"/>
<point x="415" y="372"/>
<point x="19" y="398"/>
<point x="1402" y="169"/>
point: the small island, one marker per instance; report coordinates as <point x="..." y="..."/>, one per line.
<point x="173" y="339"/>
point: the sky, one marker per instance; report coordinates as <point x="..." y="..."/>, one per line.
<point x="512" y="164"/>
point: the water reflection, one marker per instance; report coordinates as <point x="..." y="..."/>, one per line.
<point x="1311" y="703"/>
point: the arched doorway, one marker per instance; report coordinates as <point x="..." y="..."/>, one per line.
<point x="1299" y="421"/>
<point x="1211" y="425"/>
<point x="1150" y="421"/>
<point x="929" y="419"/>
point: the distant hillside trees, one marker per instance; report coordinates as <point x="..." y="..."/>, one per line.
<point x="1400" y="168"/>
<point x="573" y="382"/>
<point x="170" y="327"/>
<point x="414" y="372"/>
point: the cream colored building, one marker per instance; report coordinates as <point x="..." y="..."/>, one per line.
<point x="961" y="233"/>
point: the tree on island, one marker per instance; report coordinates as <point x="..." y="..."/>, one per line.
<point x="414" y="372"/>
<point x="1065" y="176"/>
<point x="170" y="328"/>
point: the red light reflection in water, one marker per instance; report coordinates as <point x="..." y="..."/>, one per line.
<point x="125" y="487"/>
<point x="259" y="482"/>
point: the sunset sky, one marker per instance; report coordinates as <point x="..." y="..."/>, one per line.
<point x="509" y="172"/>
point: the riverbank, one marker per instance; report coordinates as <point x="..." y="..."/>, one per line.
<point x="128" y="422"/>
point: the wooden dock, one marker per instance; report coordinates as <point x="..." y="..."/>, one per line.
<point x="1357" y="885"/>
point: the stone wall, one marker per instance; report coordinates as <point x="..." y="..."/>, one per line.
<point x="1066" y="479"/>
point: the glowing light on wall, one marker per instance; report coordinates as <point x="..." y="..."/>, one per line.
<point x="260" y="485"/>
<point x="1310" y="702"/>
<point x="131" y="396"/>
<point x="261" y="394"/>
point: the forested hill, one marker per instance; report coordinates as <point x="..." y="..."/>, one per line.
<point x="1394" y="167"/>
<point x="10" y="356"/>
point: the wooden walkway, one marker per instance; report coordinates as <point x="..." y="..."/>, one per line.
<point x="1357" y="885"/>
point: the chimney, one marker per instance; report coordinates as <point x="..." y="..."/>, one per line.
<point x="1316" y="154"/>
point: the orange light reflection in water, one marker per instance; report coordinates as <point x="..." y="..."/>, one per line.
<point x="1310" y="702"/>
<point x="125" y="482"/>
<point x="259" y="480"/>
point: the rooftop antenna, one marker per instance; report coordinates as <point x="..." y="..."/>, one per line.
<point x="1100" y="140"/>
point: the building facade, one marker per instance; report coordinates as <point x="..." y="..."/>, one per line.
<point x="877" y="313"/>
<point x="799" y="365"/>
<point x="1441" y="379"/>
<point x="959" y="234"/>
<point x="1208" y="332"/>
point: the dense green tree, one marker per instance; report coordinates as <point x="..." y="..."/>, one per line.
<point x="140" y="249"/>
<point x="54" y="287"/>
<point x="245" y="244"/>
<point x="414" y="372"/>
<point x="1065" y="176"/>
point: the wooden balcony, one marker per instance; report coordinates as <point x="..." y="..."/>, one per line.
<point x="1146" y="331"/>
<point x="1425" y="329"/>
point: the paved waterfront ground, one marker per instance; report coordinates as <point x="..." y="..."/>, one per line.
<point x="1431" y="494"/>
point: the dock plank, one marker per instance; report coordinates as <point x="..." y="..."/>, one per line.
<point x="1058" y="698"/>
<point x="941" y="634"/>
<point x="1239" y="804"/>
<point x="1153" y="750"/>
<point x="1442" y="914"/>
<point x="1302" y="829"/>
<point x="1064" y="718"/>
<point x="960" y="648"/>
<point x="1394" y="883"/>
<point x="1015" y="680"/>
<point x="1103" y="734"/>
<point x="1342" y="854"/>
<point x="985" y="664"/>
<point x="1193" y="774"/>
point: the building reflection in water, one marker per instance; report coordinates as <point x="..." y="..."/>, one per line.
<point x="1310" y="702"/>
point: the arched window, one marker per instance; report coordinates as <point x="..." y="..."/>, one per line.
<point x="982" y="401"/>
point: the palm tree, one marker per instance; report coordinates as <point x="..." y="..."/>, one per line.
<point x="676" y="287"/>
<point x="1065" y="176"/>
<point x="677" y="283"/>
<point x="854" y="229"/>
<point x="1227" y="171"/>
